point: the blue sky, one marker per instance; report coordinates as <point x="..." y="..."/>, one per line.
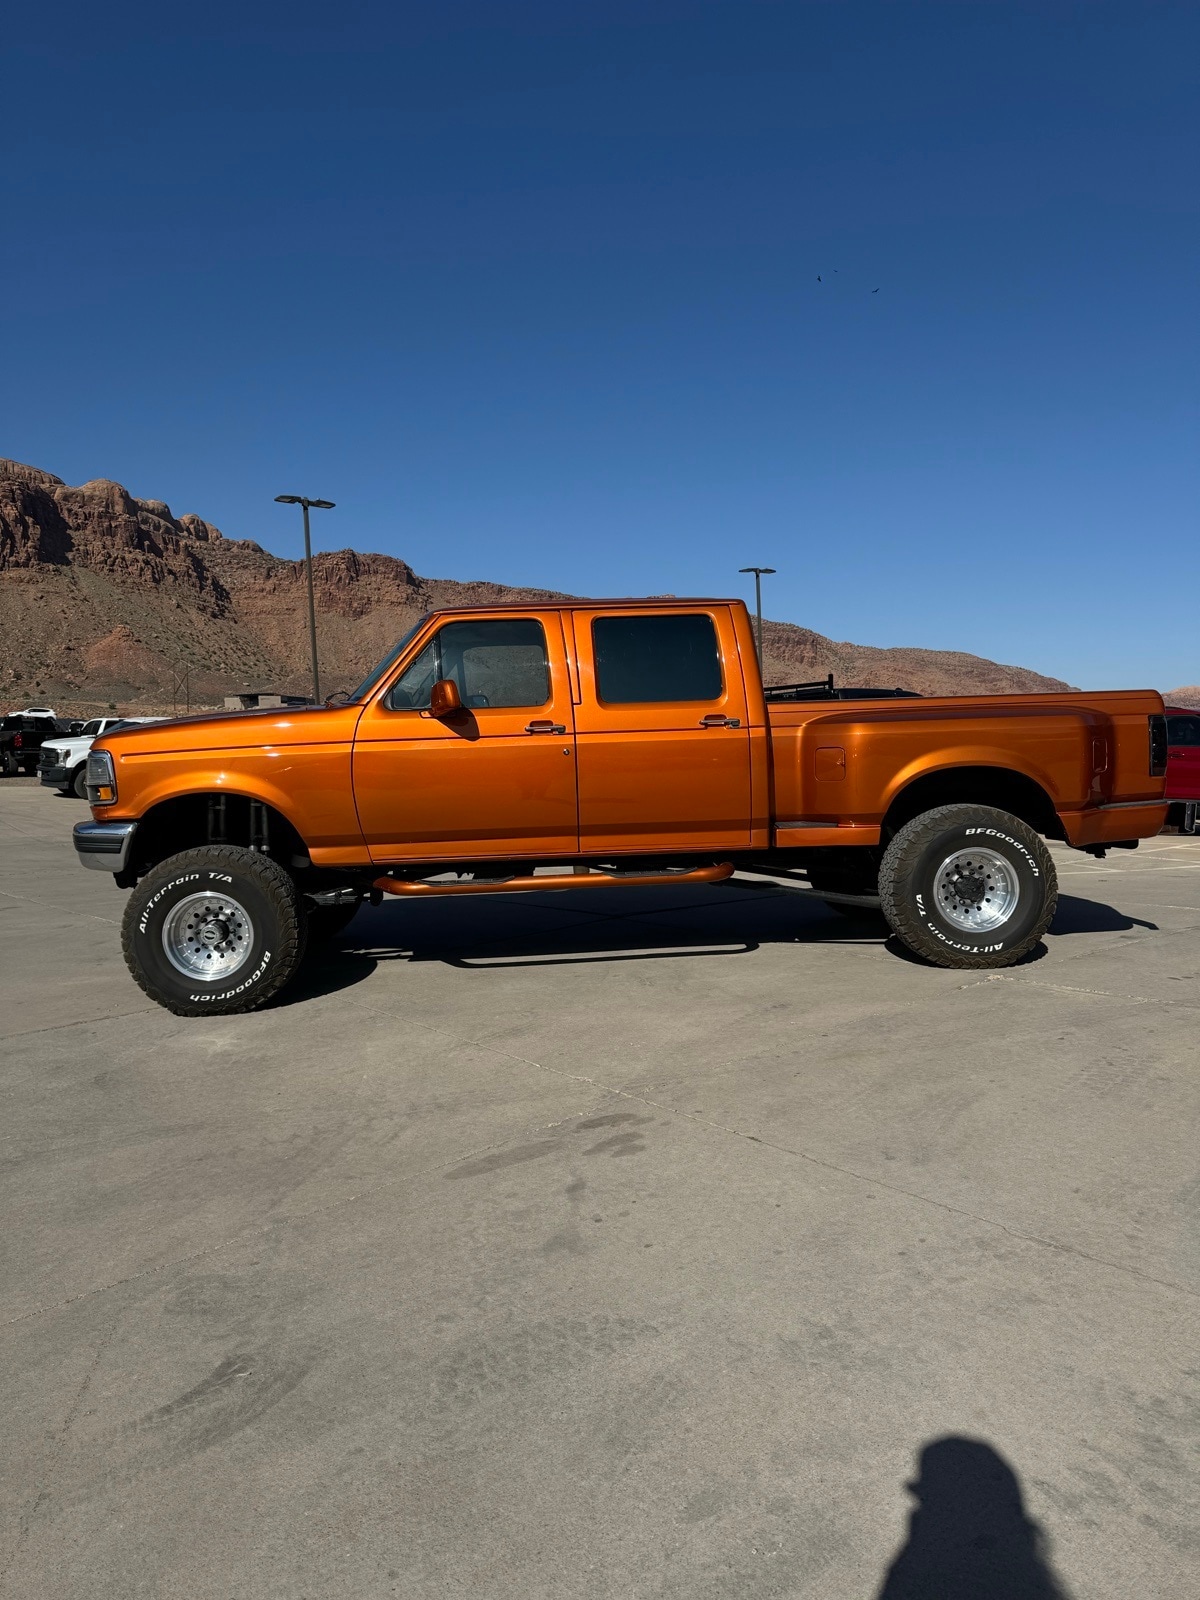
<point x="531" y="291"/>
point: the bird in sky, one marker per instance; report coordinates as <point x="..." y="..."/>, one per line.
<point x="874" y="291"/>
<point x="818" y="277"/>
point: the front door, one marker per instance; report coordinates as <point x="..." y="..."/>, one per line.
<point x="497" y="780"/>
<point x="664" y="746"/>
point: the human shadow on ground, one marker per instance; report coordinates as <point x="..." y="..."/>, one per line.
<point x="970" y="1537"/>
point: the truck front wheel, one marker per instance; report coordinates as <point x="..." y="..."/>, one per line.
<point x="214" y="931"/>
<point x="968" y="886"/>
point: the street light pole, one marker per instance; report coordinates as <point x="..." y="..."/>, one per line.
<point x="323" y="505"/>
<point x="758" y="578"/>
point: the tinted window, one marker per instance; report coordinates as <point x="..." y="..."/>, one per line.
<point x="496" y="663"/>
<point x="1183" y="730"/>
<point x="94" y="726"/>
<point x="642" y="660"/>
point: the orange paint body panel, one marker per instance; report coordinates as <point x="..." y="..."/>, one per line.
<point x="555" y="757"/>
<point x="479" y="785"/>
<point x="677" y="775"/>
<point x="296" y="760"/>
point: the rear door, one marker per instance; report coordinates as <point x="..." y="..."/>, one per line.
<point x="1183" y="756"/>
<point x="663" y="742"/>
<point x="496" y="781"/>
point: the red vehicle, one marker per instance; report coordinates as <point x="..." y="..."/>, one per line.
<point x="1183" y="766"/>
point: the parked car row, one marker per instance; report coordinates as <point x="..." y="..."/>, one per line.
<point x="35" y="739"/>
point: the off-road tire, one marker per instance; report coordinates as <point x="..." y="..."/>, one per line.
<point x="78" y="783"/>
<point x="908" y="877"/>
<point x="8" y="764"/>
<point x="272" y="905"/>
<point x="326" y="922"/>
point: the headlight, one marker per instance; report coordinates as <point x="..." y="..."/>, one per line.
<point x="100" y="778"/>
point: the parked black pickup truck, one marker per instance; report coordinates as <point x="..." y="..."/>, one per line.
<point x="21" y="738"/>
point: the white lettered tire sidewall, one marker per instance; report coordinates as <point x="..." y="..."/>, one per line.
<point x="908" y="878"/>
<point x="270" y="900"/>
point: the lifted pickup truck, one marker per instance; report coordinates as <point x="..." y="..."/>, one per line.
<point x="620" y="742"/>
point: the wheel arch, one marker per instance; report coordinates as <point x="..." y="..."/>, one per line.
<point x="187" y="821"/>
<point x="975" y="784"/>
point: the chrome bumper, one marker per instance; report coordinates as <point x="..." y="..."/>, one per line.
<point x="104" y="846"/>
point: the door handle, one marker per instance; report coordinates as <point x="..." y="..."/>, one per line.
<point x="544" y="725"/>
<point x="716" y="719"/>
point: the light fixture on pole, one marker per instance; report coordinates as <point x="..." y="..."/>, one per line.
<point x="321" y="505"/>
<point x="758" y="578"/>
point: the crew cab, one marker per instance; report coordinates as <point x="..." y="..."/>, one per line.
<point x="530" y="748"/>
<point x="62" y="764"/>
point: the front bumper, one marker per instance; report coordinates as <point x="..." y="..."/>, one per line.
<point x="56" y="777"/>
<point x="104" y="846"/>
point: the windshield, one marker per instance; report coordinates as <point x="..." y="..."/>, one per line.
<point x="381" y="667"/>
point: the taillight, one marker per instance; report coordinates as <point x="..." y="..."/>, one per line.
<point x="1158" y="746"/>
<point x="17" y="741"/>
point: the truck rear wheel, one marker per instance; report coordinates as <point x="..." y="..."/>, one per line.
<point x="968" y="886"/>
<point x="214" y="931"/>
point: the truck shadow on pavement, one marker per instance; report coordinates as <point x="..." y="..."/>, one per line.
<point x="589" y="927"/>
<point x="1092" y="916"/>
<point x="969" y="1537"/>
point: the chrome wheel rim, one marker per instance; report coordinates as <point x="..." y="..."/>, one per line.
<point x="976" y="890"/>
<point x="208" y="937"/>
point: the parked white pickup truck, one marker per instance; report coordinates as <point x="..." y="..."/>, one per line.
<point x="64" y="758"/>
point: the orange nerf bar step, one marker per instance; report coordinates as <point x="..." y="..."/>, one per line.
<point x="560" y="880"/>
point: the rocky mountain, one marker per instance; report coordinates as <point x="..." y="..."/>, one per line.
<point x="105" y="597"/>
<point x="1189" y="695"/>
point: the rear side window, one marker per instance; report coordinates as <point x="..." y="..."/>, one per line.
<point x="494" y="663"/>
<point x="648" y="660"/>
<point x="1183" y="730"/>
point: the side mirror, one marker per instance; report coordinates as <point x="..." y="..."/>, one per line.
<point x="444" y="699"/>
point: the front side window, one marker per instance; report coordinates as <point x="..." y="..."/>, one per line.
<point x="1183" y="730"/>
<point x="651" y="659"/>
<point x="495" y="664"/>
<point x="381" y="667"/>
<point x="93" y="727"/>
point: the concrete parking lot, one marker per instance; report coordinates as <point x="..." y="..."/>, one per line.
<point x="640" y="1245"/>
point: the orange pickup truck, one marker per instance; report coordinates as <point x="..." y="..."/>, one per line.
<point x="511" y="748"/>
